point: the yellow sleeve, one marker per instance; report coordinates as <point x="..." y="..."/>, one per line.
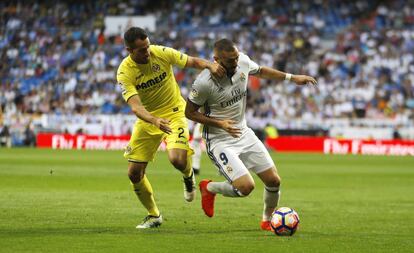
<point x="126" y="83"/>
<point x="173" y="56"/>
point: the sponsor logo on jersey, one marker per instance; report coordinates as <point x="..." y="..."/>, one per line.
<point x="152" y="82"/>
<point x="234" y="99"/>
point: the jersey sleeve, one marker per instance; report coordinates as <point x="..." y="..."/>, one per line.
<point x="125" y="81"/>
<point x="254" y="68"/>
<point x="200" y="91"/>
<point x="174" y="57"/>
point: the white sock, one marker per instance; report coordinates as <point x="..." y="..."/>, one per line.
<point x="197" y="154"/>
<point x="196" y="146"/>
<point x="271" y="199"/>
<point x="224" y="188"/>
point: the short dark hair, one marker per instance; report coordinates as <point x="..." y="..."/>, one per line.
<point x="134" y="33"/>
<point x="224" y="45"/>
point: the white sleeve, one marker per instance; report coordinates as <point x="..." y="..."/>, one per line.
<point x="200" y="91"/>
<point x="254" y="68"/>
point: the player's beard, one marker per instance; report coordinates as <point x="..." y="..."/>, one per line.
<point x="230" y="71"/>
<point x="145" y="60"/>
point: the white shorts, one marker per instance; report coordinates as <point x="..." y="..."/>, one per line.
<point x="234" y="157"/>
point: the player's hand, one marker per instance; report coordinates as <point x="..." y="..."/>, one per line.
<point x="228" y="126"/>
<point x="163" y="125"/>
<point x="303" y="79"/>
<point x="217" y="70"/>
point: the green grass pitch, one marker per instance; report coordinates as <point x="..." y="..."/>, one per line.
<point x="81" y="201"/>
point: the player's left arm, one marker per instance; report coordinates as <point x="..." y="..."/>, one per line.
<point x="216" y="69"/>
<point x="274" y="74"/>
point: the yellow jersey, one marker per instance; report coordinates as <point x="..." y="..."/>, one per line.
<point x="154" y="82"/>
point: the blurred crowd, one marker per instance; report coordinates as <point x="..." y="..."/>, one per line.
<point x="56" y="59"/>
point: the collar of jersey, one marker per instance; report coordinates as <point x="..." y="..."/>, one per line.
<point x="218" y="81"/>
<point x="139" y="64"/>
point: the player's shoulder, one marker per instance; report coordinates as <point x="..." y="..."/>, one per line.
<point x="204" y="77"/>
<point x="157" y="49"/>
<point x="124" y="63"/>
<point x="243" y="57"/>
<point x="160" y="50"/>
<point x="125" y="66"/>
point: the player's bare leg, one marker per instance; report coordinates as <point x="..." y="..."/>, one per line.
<point x="144" y="192"/>
<point x="271" y="194"/>
<point x="179" y="159"/>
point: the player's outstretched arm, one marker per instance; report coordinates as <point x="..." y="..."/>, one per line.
<point x="274" y="74"/>
<point x="216" y="69"/>
<point x="139" y="110"/>
<point x="192" y="113"/>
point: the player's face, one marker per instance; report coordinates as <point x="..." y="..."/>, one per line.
<point x="140" y="53"/>
<point x="228" y="60"/>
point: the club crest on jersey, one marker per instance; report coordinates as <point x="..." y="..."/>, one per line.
<point x="194" y="93"/>
<point x="229" y="169"/>
<point x="156" y="67"/>
<point x="243" y="77"/>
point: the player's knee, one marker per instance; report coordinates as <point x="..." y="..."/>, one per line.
<point x="246" y="188"/>
<point x="135" y="174"/>
<point x="179" y="163"/>
<point x="276" y="181"/>
<point x="273" y="181"/>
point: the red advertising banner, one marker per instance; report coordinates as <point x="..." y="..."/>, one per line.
<point x="67" y="141"/>
<point x="281" y="144"/>
<point x="341" y="146"/>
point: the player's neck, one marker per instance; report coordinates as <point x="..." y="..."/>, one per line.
<point x="230" y="75"/>
<point x="139" y="61"/>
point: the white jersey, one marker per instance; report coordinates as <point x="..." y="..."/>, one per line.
<point x="224" y="98"/>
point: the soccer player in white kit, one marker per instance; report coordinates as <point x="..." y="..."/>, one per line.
<point x="230" y="144"/>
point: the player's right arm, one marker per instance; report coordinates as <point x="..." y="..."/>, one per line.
<point x="192" y="113"/>
<point x="199" y="94"/>
<point x="139" y="110"/>
<point x="130" y="95"/>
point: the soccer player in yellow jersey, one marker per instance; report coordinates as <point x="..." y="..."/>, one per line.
<point x="148" y="86"/>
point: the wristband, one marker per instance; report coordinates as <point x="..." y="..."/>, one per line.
<point x="288" y="76"/>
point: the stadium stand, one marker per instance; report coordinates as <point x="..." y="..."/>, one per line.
<point x="56" y="60"/>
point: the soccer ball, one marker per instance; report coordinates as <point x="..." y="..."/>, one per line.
<point x="285" y="221"/>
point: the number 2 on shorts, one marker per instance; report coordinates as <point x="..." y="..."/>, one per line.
<point x="180" y="134"/>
